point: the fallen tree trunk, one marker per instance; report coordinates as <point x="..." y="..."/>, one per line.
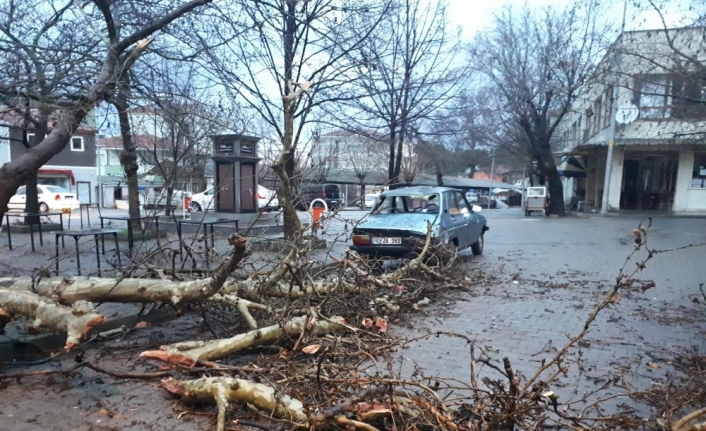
<point x="69" y="290"/>
<point x="190" y="352"/>
<point x="223" y="390"/>
<point x="76" y="321"/>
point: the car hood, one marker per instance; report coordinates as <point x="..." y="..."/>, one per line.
<point x="412" y="223"/>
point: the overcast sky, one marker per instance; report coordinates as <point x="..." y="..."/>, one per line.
<point x="475" y="15"/>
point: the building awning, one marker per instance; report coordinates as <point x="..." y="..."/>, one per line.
<point x="572" y="167"/>
<point x="58" y="173"/>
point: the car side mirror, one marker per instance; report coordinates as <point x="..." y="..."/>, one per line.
<point x="476" y="208"/>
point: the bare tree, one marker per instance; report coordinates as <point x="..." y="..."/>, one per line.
<point x="43" y="54"/>
<point x="273" y="55"/>
<point x="181" y="118"/>
<point x="536" y="63"/>
<point x="407" y="72"/>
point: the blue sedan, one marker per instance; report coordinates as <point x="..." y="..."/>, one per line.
<point x="397" y="224"/>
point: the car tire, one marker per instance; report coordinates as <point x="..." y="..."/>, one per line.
<point x="43" y="208"/>
<point x="477" y="247"/>
<point x="196" y="206"/>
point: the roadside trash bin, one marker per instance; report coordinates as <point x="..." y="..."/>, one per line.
<point x="316" y="214"/>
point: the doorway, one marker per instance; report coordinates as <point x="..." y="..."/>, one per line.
<point x="225" y="200"/>
<point x="83" y="192"/>
<point x="248" y="188"/>
<point x="649" y="180"/>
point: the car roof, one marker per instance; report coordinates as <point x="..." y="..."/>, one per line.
<point x="417" y="190"/>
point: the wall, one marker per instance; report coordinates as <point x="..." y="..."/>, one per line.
<point x="688" y="199"/>
<point x="66" y="157"/>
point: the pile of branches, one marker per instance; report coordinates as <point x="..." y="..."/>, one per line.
<point x="335" y="365"/>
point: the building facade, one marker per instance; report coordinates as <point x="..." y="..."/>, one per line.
<point x="648" y="102"/>
<point x="74" y="168"/>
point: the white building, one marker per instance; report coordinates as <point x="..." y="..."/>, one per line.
<point x="649" y="98"/>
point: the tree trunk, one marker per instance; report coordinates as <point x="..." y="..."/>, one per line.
<point x="128" y="156"/>
<point x="439" y="175"/>
<point x="170" y="195"/>
<point x="32" y="198"/>
<point x="362" y="195"/>
<point x="556" y="189"/>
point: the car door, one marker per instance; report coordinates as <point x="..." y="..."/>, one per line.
<point x="473" y="224"/>
<point x="19" y="200"/>
<point x="456" y="221"/>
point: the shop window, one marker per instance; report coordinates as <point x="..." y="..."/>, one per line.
<point x="698" y="176"/>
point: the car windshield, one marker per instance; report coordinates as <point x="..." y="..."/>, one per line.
<point x="56" y="189"/>
<point x="407" y="204"/>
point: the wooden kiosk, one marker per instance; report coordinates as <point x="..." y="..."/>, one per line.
<point x="235" y="157"/>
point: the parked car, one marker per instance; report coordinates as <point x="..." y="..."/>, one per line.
<point x="330" y="193"/>
<point x="51" y="198"/>
<point x="370" y="200"/>
<point x="266" y="199"/>
<point x="205" y="201"/>
<point x="397" y="224"/>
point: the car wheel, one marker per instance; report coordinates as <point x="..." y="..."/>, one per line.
<point x="43" y="208"/>
<point x="195" y="206"/>
<point x="477" y="247"/>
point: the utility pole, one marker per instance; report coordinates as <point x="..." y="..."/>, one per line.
<point x="492" y="172"/>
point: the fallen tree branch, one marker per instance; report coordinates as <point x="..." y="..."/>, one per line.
<point x="75" y="321"/>
<point x="223" y="390"/>
<point x="190" y="352"/>
<point x="69" y="290"/>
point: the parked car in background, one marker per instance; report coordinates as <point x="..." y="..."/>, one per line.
<point x="330" y="193"/>
<point x="51" y="198"/>
<point x="370" y="200"/>
<point x="266" y="199"/>
<point x="205" y="201"/>
<point x="397" y="224"/>
<point x="158" y="199"/>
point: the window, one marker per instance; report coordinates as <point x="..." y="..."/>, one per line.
<point x="654" y="97"/>
<point x="689" y="95"/>
<point x="698" y="176"/>
<point x="77" y="143"/>
<point x="30" y="138"/>
<point x="678" y="96"/>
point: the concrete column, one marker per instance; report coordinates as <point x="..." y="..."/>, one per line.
<point x="681" y="189"/>
<point x="616" y="179"/>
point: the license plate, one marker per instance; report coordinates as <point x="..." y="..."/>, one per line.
<point x="387" y="241"/>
